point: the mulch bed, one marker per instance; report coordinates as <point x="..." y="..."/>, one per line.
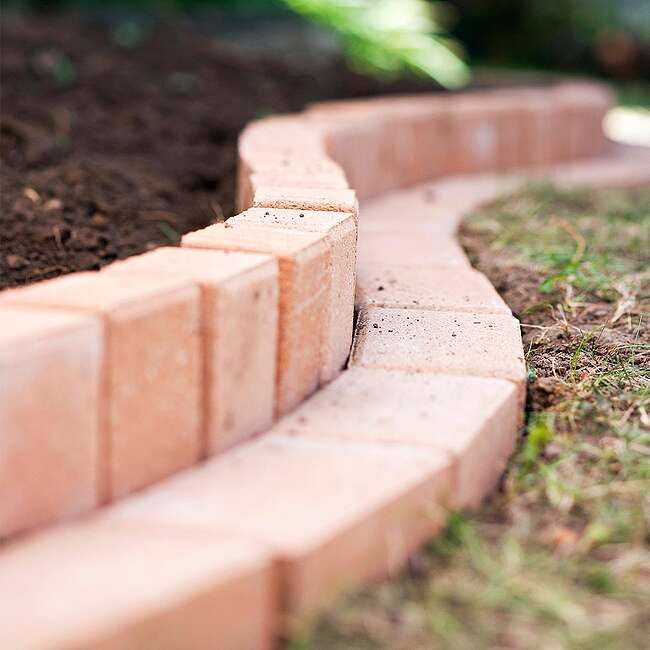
<point x="112" y="145"/>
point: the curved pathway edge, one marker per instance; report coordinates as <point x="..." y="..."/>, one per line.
<point x="302" y="468"/>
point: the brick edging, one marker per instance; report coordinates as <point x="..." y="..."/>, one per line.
<point x="157" y="362"/>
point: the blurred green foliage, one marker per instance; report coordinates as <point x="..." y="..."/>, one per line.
<point x="389" y="37"/>
<point x="606" y="37"/>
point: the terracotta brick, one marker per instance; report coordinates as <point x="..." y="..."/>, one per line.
<point x="260" y="168"/>
<point x="477" y="131"/>
<point x="482" y="345"/>
<point x="475" y="420"/>
<point x="341" y="238"/>
<point x="394" y="122"/>
<point x="50" y="368"/>
<point x="239" y="334"/>
<point x="358" y="149"/>
<point x="546" y="134"/>
<point x="281" y="134"/>
<point x="418" y="208"/>
<point x="315" y="501"/>
<point x="305" y="198"/>
<point x="409" y="248"/>
<point x="387" y="144"/>
<point x="585" y="106"/>
<point x="288" y="178"/>
<point x="103" y="586"/>
<point x="151" y="395"/>
<point x="446" y="289"/>
<point x="468" y="192"/>
<point x="248" y="187"/>
<point x="421" y="139"/>
<point x="625" y="167"/>
<point x="263" y="161"/>
<point x="303" y="259"/>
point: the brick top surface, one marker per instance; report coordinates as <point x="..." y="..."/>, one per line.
<point x="440" y="411"/>
<point x="283" y="243"/>
<point x="336" y="200"/>
<point x="483" y="345"/>
<point x="204" y="266"/>
<point x="95" y="291"/>
<point x="316" y="220"/>
<point x="20" y="324"/>
<point x="289" y="491"/>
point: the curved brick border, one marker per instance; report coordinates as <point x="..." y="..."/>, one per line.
<point x="151" y="365"/>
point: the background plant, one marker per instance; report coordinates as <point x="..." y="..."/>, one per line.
<point x="390" y="37"/>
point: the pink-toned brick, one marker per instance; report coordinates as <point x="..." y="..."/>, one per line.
<point x="437" y="207"/>
<point x="289" y="178"/>
<point x="475" y="420"/>
<point x="358" y="149"/>
<point x="281" y="134"/>
<point x="387" y="144"/>
<point x="625" y="167"/>
<point x="447" y="289"/>
<point x="262" y="168"/>
<point x="341" y="238"/>
<point x="474" y="135"/>
<point x="151" y="410"/>
<point x="467" y="193"/>
<point x="485" y="132"/>
<point x="317" y="502"/>
<point x="421" y="208"/>
<point x="402" y="247"/>
<point x="418" y="139"/>
<point x="104" y="586"/>
<point x="303" y="259"/>
<point x="482" y="345"/>
<point x="239" y="324"/>
<point x="263" y="161"/>
<point x="50" y="369"/>
<point x="304" y="198"/>
<point x="546" y="137"/>
<point x="585" y="106"/>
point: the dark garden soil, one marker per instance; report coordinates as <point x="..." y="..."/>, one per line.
<point x="115" y="141"/>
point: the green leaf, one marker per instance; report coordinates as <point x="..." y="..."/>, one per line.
<point x="390" y="37"/>
<point x="539" y="433"/>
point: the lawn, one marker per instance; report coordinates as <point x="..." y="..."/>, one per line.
<point x="560" y="556"/>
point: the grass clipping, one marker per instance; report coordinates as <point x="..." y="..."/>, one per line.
<point x="560" y="557"/>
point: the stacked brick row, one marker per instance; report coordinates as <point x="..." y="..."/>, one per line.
<point x="111" y="382"/>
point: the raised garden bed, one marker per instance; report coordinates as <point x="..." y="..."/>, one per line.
<point x="165" y="343"/>
<point x="126" y="141"/>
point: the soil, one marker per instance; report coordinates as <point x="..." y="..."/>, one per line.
<point x="115" y="142"/>
<point x="551" y="335"/>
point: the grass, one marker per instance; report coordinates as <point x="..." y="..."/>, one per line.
<point x="560" y="556"/>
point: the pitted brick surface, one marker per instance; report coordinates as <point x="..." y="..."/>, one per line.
<point x="421" y="287"/>
<point x="481" y="345"/>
